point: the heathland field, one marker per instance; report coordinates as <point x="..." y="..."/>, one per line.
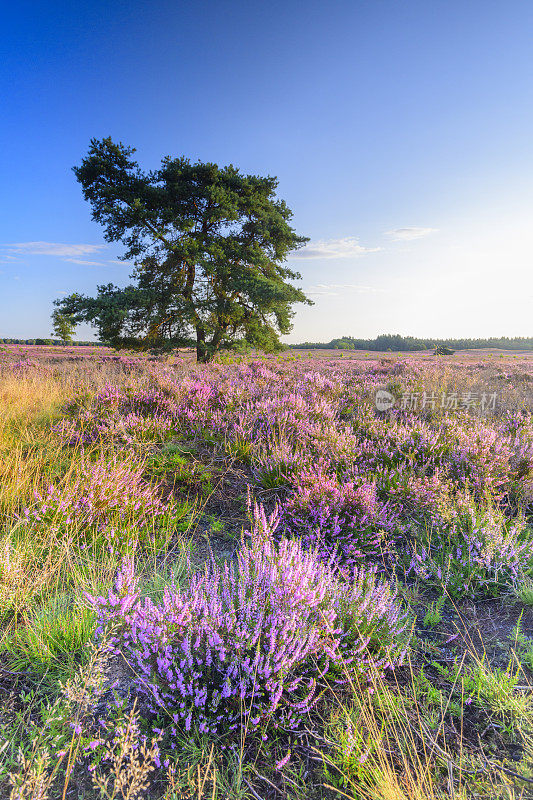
<point x="252" y="579"/>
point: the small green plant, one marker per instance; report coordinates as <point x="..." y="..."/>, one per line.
<point x="523" y="645"/>
<point x="524" y="592"/>
<point x="433" y="615"/>
<point x="496" y="689"/>
<point x="216" y="525"/>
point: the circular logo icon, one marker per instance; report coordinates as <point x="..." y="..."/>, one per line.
<point x="384" y="400"/>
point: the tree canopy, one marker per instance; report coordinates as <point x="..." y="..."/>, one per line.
<point x="209" y="245"/>
<point x="64" y="326"/>
<point x="396" y="343"/>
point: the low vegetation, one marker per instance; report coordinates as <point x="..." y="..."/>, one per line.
<point x="248" y="579"/>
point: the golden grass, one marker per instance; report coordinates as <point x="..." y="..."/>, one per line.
<point x="32" y="568"/>
<point x="380" y="747"/>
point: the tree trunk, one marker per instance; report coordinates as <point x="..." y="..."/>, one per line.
<point x="202" y="351"/>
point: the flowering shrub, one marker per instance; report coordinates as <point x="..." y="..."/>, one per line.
<point x="350" y="480"/>
<point x="341" y="518"/>
<point x="477" y="552"/>
<point x="106" y="498"/>
<point x="246" y="644"/>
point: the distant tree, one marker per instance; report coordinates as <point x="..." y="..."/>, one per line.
<point x="64" y="326"/>
<point x="442" y="350"/>
<point x="209" y="246"/>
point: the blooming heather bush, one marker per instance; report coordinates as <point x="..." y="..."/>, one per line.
<point x="517" y="423"/>
<point x="343" y="518"/>
<point x="419" y="498"/>
<point x="29" y="366"/>
<point x="106" y="498"/>
<point x="88" y="428"/>
<point x="246" y="644"/>
<point x="479" y="551"/>
<point x="343" y="472"/>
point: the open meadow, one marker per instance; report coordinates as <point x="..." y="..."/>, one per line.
<point x="307" y="575"/>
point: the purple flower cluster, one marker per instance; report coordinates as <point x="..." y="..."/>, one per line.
<point x="245" y="645"/>
<point x="352" y="481"/>
<point x="344" y="518"/>
<point x="107" y="496"/>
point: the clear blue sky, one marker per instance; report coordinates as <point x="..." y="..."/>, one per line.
<point x="401" y="133"/>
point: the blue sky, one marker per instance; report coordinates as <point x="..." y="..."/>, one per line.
<point x="401" y="134"/>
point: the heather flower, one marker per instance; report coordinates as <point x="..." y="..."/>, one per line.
<point x="478" y="551"/>
<point x="106" y="498"/>
<point x="344" y="518"/>
<point x="350" y="481"/>
<point x="244" y="645"/>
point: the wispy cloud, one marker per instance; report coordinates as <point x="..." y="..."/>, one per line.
<point x="54" y="249"/>
<point x="87" y="263"/>
<point x="334" y="289"/>
<point x="348" y="247"/>
<point x="409" y="234"/>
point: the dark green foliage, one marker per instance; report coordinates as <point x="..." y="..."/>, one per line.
<point x="442" y="350"/>
<point x="209" y="245"/>
<point x="64" y="326"/>
<point x="395" y="343"/>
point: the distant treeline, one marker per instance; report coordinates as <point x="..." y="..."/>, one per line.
<point x="49" y="342"/>
<point x="395" y="342"/>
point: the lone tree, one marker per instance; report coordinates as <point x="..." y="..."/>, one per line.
<point x="209" y="246"/>
<point x="64" y="326"/>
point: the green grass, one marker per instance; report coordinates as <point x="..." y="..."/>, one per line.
<point x="52" y="638"/>
<point x="524" y="592"/>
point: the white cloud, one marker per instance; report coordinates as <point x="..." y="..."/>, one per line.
<point x="332" y="289"/>
<point x="88" y="263"/>
<point x="54" y="248"/>
<point x="409" y="234"/>
<point x="348" y="247"/>
<point x="357" y="287"/>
